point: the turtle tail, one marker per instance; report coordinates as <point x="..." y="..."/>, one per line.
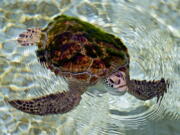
<point x="146" y="90"/>
<point x="30" y="37"/>
<point x="50" y="104"/>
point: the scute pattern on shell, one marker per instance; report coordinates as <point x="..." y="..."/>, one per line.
<point x="78" y="49"/>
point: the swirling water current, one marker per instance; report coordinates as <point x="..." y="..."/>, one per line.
<point x="151" y="31"/>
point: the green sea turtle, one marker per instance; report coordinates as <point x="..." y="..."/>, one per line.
<point x="84" y="55"/>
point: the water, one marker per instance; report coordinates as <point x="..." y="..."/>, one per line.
<point x="149" y="28"/>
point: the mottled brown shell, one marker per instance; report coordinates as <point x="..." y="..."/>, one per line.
<point x="77" y="49"/>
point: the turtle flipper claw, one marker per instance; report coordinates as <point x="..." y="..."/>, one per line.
<point x="50" y="104"/>
<point x="30" y="37"/>
<point x="146" y="90"/>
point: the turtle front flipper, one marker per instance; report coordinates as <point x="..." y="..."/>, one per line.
<point x="146" y="90"/>
<point x="30" y="37"/>
<point x="50" y="104"/>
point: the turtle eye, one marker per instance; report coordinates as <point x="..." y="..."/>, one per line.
<point x="119" y="81"/>
<point x="111" y="80"/>
<point x="119" y="75"/>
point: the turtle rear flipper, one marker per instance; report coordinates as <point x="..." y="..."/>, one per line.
<point x="30" y="37"/>
<point x="146" y="90"/>
<point x="50" y="104"/>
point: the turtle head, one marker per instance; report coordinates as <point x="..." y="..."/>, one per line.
<point x="117" y="80"/>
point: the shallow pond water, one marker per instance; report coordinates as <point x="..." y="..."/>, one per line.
<point x="151" y="31"/>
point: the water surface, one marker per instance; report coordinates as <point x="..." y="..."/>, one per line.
<point x="151" y="31"/>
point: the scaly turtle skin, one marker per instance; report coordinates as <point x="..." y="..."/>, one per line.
<point x="84" y="55"/>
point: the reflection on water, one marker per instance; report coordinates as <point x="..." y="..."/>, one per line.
<point x="150" y="30"/>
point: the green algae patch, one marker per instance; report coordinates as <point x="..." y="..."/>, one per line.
<point x="116" y="53"/>
<point x="64" y="23"/>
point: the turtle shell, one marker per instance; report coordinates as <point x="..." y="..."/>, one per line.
<point x="77" y="49"/>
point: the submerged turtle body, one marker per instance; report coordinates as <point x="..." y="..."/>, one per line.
<point x="84" y="55"/>
<point x="77" y="49"/>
